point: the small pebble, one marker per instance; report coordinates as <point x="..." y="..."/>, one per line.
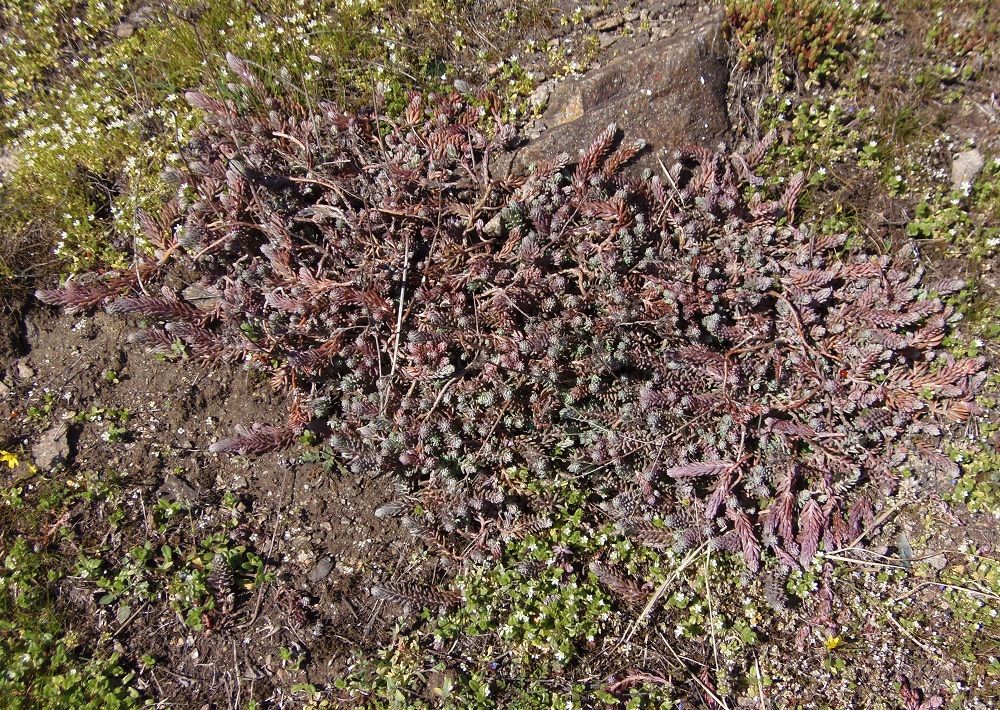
<point x="24" y="370"/>
<point x="965" y="168"/>
<point x="608" y="23"/>
<point x="321" y="569"/>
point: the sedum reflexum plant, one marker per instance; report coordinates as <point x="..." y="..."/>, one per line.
<point x="674" y="343"/>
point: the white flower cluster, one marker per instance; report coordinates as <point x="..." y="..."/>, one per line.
<point x="120" y="115"/>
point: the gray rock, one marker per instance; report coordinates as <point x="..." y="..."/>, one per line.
<point x="8" y="162"/>
<point x="671" y="93"/>
<point x="24" y="370"/>
<point x="204" y="299"/>
<point x="664" y="10"/>
<point x="5" y="391"/>
<point x="534" y="129"/>
<point x="493" y="228"/>
<point x="321" y="569"/>
<point x="32" y="329"/>
<point x="938" y="561"/>
<point x="607" y="40"/>
<point x="52" y="448"/>
<point x="124" y="30"/>
<point x="177" y="490"/>
<point x="539" y="98"/>
<point x="965" y="168"/>
<point x="143" y="14"/>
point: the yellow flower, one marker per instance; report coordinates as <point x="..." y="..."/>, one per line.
<point x="9" y="459"/>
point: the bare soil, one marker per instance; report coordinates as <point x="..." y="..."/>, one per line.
<point x="300" y="518"/>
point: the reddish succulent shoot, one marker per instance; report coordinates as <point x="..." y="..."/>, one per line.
<point x="448" y="326"/>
